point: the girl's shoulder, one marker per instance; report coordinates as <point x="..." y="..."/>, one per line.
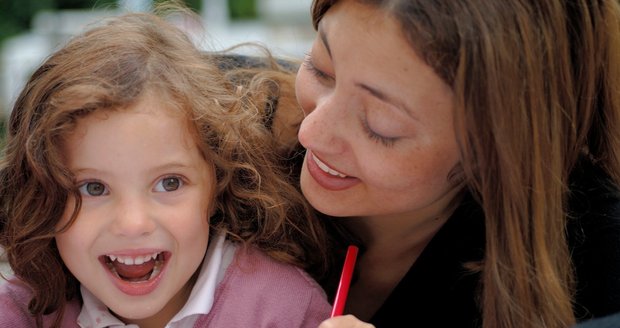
<point x="272" y="294"/>
<point x="251" y="263"/>
<point x="14" y="299"/>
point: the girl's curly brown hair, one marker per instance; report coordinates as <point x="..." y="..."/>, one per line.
<point x="230" y="110"/>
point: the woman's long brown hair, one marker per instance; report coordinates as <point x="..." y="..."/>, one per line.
<point x="537" y="88"/>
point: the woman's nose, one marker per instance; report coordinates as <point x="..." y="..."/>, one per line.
<point x="324" y="127"/>
<point x="133" y="217"/>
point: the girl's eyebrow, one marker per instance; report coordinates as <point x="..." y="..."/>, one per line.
<point x="176" y="165"/>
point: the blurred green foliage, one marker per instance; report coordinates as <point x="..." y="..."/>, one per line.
<point x="242" y="9"/>
<point x="16" y="15"/>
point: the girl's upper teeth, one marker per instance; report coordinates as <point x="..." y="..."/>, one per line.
<point x="327" y="169"/>
<point x="133" y="260"/>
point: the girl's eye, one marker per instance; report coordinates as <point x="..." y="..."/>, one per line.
<point x="168" y="184"/>
<point x="315" y="71"/>
<point x="372" y="135"/>
<point x="93" y="189"/>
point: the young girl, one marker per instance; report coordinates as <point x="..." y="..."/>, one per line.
<point x="138" y="187"/>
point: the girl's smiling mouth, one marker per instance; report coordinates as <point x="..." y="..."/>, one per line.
<point x="135" y="275"/>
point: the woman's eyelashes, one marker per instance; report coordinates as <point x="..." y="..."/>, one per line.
<point x="309" y="65"/>
<point x="322" y="76"/>
<point x="374" y="136"/>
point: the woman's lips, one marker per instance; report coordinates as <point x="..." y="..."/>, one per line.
<point x="327" y="177"/>
<point x="326" y="168"/>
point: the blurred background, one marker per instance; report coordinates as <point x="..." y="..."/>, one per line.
<point x="30" y="30"/>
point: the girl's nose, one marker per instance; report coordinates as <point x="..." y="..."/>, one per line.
<point x="133" y="217"/>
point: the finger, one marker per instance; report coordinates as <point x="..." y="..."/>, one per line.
<point x="344" y="321"/>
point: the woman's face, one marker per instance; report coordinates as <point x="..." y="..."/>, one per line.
<point x="378" y="124"/>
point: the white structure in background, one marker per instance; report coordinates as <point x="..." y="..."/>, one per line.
<point x="135" y="5"/>
<point x="22" y="54"/>
<point x="282" y="25"/>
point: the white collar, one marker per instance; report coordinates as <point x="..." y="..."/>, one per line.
<point x="219" y="255"/>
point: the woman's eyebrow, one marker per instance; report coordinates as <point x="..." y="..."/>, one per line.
<point x="323" y="37"/>
<point x="387" y="98"/>
<point x="374" y="91"/>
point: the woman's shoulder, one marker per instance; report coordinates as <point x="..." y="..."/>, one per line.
<point x="593" y="207"/>
<point x="228" y="61"/>
<point x="611" y="321"/>
<point x="593" y="195"/>
<point x="593" y="231"/>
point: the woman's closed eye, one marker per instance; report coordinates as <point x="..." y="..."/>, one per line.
<point x="168" y="184"/>
<point x="374" y="136"/>
<point x="93" y="188"/>
<point x="309" y="65"/>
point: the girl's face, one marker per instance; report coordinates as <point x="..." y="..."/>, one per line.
<point x="143" y="229"/>
<point x="378" y="124"/>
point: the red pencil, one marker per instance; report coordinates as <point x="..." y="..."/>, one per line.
<point x="345" y="281"/>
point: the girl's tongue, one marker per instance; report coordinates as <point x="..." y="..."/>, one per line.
<point x="134" y="272"/>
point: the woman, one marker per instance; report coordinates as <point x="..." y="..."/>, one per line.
<point x="472" y="149"/>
